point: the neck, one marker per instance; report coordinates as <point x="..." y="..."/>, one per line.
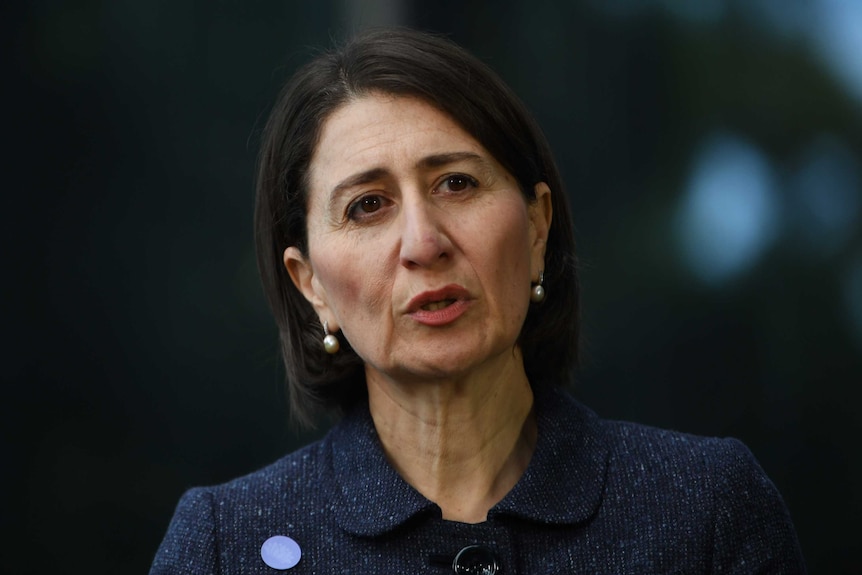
<point x="463" y="442"/>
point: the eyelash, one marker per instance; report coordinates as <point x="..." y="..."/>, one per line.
<point x="471" y="181"/>
<point x="355" y="206"/>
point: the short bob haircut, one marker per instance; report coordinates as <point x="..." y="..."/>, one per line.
<point x="400" y="62"/>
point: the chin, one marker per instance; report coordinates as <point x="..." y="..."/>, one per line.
<point x="452" y="363"/>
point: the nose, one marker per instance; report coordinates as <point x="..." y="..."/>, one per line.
<point x="424" y="241"/>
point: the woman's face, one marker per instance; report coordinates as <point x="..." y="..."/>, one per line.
<point x="421" y="247"/>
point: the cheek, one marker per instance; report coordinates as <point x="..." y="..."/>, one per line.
<point x="338" y="281"/>
<point x="507" y="258"/>
<point x="353" y="288"/>
<point x="514" y="241"/>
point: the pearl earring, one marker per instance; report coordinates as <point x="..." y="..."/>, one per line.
<point x="537" y="294"/>
<point x="330" y="342"/>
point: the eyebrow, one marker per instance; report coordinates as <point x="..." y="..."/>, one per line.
<point x="359" y="179"/>
<point x="439" y="160"/>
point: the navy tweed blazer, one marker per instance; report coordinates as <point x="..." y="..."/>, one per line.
<point x="598" y="496"/>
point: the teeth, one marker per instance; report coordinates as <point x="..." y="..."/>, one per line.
<point x="434" y="306"/>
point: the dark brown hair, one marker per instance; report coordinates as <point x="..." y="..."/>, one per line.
<point x="409" y="63"/>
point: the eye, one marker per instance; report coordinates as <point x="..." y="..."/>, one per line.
<point x="365" y="206"/>
<point x="458" y="183"/>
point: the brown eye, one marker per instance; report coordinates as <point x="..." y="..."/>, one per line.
<point x="457" y="183"/>
<point x="369" y="204"/>
<point x="365" y="206"/>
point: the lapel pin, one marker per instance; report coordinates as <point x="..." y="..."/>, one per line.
<point x="280" y="552"/>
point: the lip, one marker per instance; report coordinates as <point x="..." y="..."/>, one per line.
<point x="443" y="316"/>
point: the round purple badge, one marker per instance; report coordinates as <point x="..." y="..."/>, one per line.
<point x="280" y="552"/>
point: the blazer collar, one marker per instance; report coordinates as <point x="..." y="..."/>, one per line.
<point x="372" y="497"/>
<point x="563" y="483"/>
<point x="565" y="480"/>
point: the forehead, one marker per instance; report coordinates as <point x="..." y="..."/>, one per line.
<point x="383" y="131"/>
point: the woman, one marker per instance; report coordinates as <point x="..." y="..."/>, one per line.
<point x="416" y="247"/>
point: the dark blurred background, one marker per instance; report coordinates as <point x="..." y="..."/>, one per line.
<point x="711" y="150"/>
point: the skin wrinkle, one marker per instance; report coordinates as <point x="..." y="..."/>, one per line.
<point x="424" y="164"/>
<point x="451" y="403"/>
<point x="442" y="454"/>
<point x="380" y="178"/>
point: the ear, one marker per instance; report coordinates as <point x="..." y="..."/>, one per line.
<point x="540" y="212"/>
<point x="301" y="273"/>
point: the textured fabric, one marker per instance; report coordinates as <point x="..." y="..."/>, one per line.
<point x="598" y="497"/>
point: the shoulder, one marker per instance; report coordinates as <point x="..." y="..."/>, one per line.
<point x="639" y="449"/>
<point x="709" y="486"/>
<point x="296" y="476"/>
<point x="683" y="497"/>
<point x="704" y="467"/>
<point x="250" y="508"/>
<point x="674" y="465"/>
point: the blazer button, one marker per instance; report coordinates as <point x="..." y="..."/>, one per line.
<point x="475" y="560"/>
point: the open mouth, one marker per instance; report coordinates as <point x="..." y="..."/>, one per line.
<point x="435" y="305"/>
<point x="441" y="306"/>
